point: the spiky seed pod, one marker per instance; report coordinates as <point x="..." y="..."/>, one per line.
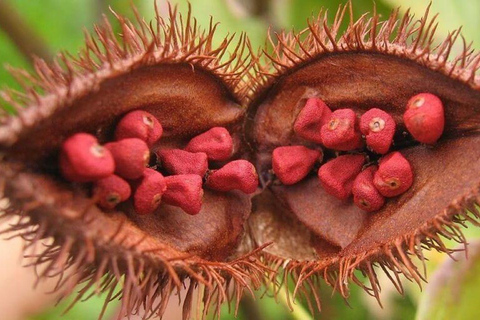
<point x="131" y="156"/>
<point x="110" y="191"/>
<point x="309" y="122"/>
<point x="424" y="117"/>
<point x="176" y="161"/>
<point x="341" y="132"/>
<point x="217" y="143"/>
<point x="365" y="195"/>
<point x="184" y="191"/>
<point x="151" y="256"/>
<point x="378" y="127"/>
<point x="139" y="124"/>
<point x="337" y="175"/>
<point x="394" y="175"/>
<point x="143" y="256"/>
<point x="235" y="175"/>
<point x="83" y="159"/>
<point x="292" y="163"/>
<point x="353" y="69"/>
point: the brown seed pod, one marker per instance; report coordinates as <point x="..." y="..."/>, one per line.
<point x="148" y="256"/>
<point x="354" y="70"/>
<point x="299" y="228"/>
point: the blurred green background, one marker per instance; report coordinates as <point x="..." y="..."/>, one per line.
<point x="49" y="26"/>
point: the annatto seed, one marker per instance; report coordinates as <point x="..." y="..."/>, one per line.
<point x="83" y="159"/>
<point x="131" y="156"/>
<point x="337" y="175"/>
<point x="236" y="175"/>
<point x="184" y="191"/>
<point x="394" y="175"/>
<point x="292" y="163"/>
<point x="149" y="192"/>
<point x="365" y="195"/>
<point x="110" y="191"/>
<point x="378" y="127"/>
<point x="341" y="132"/>
<point x="311" y="118"/>
<point x="217" y="143"/>
<point x="176" y="161"/>
<point x="139" y="124"/>
<point x="425" y="118"/>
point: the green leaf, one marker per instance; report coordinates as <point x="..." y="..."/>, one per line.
<point x="454" y="288"/>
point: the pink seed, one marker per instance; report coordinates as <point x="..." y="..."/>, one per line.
<point x="341" y="132"/>
<point x="139" y="124"/>
<point x="149" y="191"/>
<point x="82" y="159"/>
<point x="184" y="191"/>
<point x="378" y="127"/>
<point x="337" y="175"/>
<point x="365" y="195"/>
<point x="292" y="163"/>
<point x="177" y="161"/>
<point x="425" y="118"/>
<point x="131" y="157"/>
<point x="394" y="175"/>
<point x="311" y="118"/>
<point x="110" y="191"/>
<point x="239" y="174"/>
<point x="217" y="143"/>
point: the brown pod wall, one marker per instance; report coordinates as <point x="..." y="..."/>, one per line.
<point x="238" y="240"/>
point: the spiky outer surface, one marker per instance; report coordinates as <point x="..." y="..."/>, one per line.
<point x="111" y="250"/>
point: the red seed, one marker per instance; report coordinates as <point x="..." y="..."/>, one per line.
<point x="425" y="118"/>
<point x="110" y="191"/>
<point x="378" y="127"/>
<point x="184" y="191"/>
<point x="149" y="191"/>
<point x="217" y="143"/>
<point x="311" y="118"/>
<point x="342" y="132"/>
<point x="365" y="195"/>
<point x="177" y="161"/>
<point x="82" y="159"/>
<point x="236" y="175"/>
<point x="131" y="157"/>
<point x="292" y="163"/>
<point x="139" y="124"/>
<point x="337" y="175"/>
<point x="394" y="175"/>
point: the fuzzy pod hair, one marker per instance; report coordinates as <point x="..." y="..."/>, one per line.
<point x="147" y="258"/>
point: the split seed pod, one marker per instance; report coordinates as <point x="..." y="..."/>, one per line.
<point x="176" y="74"/>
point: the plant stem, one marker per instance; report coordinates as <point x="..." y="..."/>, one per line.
<point x="21" y="34"/>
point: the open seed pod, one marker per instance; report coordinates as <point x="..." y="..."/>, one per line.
<point x="172" y="71"/>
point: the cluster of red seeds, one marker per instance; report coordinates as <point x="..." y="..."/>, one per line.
<point x="120" y="168"/>
<point x="341" y="131"/>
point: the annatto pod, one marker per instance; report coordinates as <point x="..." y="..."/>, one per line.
<point x="172" y="71"/>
